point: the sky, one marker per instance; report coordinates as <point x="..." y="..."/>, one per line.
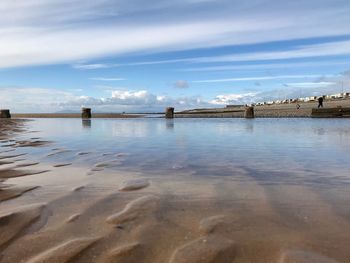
<point x="143" y="56"/>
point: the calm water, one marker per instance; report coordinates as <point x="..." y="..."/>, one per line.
<point x="294" y="151"/>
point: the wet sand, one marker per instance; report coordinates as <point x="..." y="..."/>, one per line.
<point x="52" y="211"/>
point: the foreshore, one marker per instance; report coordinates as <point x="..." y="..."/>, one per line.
<point x="64" y="204"/>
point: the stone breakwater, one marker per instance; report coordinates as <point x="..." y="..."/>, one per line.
<point x="265" y="111"/>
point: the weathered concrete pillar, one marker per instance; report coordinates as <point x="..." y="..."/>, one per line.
<point x="169" y="113"/>
<point x="5" y="114"/>
<point x="86" y="113"/>
<point x="249" y="112"/>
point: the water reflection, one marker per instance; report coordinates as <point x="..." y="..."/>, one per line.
<point x="266" y="145"/>
<point x="249" y="126"/>
<point x="320" y="131"/>
<point x="169" y="124"/>
<point x="86" y="123"/>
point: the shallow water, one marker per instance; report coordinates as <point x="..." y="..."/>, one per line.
<point x="317" y="147"/>
<point x="267" y="190"/>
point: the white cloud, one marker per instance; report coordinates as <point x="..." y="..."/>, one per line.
<point x="90" y="66"/>
<point x="134" y="101"/>
<point x="234" y="98"/>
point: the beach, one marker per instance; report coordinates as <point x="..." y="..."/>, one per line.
<point x="141" y="190"/>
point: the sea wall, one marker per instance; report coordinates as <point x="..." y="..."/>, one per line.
<point x="265" y="111"/>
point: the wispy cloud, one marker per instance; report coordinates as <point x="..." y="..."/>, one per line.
<point x="269" y="66"/>
<point x="256" y="78"/>
<point x="317" y="50"/>
<point x="91" y="66"/>
<point x="310" y="84"/>
<point x="335" y="48"/>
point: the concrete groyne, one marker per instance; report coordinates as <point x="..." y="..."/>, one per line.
<point x="5" y="114"/>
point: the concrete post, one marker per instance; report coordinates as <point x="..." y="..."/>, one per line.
<point x="86" y="113"/>
<point x="249" y="112"/>
<point x="5" y="114"/>
<point x="169" y="113"/>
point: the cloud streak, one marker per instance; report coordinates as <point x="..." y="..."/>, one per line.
<point x="269" y="66"/>
<point x="334" y="48"/>
<point x="91" y="66"/>
<point x="107" y="79"/>
<point x="256" y="78"/>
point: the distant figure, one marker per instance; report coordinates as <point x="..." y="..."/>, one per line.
<point x="298" y="106"/>
<point x="320" y="102"/>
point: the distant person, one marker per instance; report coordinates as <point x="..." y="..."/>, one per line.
<point x="298" y="106"/>
<point x="320" y="102"/>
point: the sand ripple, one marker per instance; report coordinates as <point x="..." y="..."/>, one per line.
<point x="210" y="249"/>
<point x="208" y="225"/>
<point x="127" y="254"/>
<point x="65" y="252"/>
<point x="299" y="256"/>
<point x="13" y="223"/>
<point x="135" y="209"/>
<point x="134" y="185"/>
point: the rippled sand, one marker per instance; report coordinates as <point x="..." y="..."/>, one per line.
<point x="54" y="211"/>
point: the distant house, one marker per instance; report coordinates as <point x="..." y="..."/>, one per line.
<point x="312" y="98"/>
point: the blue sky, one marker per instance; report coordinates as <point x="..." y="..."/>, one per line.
<point x="116" y="55"/>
